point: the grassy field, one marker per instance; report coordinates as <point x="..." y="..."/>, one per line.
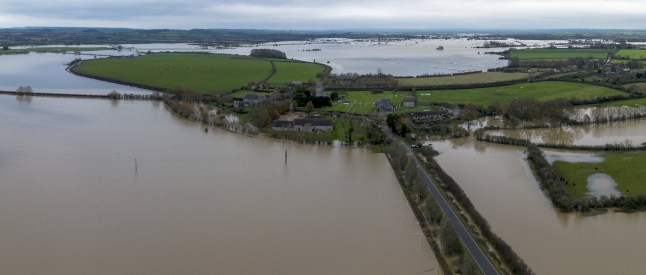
<point x="53" y="50"/>
<point x="530" y="54"/>
<point x="487" y="77"/>
<point x="546" y="90"/>
<point x="204" y="73"/>
<point x="628" y="169"/>
<point x="632" y="54"/>
<point x="362" y="102"/>
<point x="288" y="71"/>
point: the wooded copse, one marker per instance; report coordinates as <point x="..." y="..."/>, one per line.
<point x="268" y="53"/>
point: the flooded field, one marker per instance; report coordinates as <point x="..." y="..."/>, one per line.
<point x="631" y="131"/>
<point x="500" y="184"/>
<point x="45" y="73"/>
<point x="124" y="187"/>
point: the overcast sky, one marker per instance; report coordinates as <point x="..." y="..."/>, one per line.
<point x="324" y="15"/>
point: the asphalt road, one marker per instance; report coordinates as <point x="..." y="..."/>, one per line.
<point x="467" y="240"/>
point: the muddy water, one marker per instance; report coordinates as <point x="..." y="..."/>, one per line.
<point x="501" y="186"/>
<point x="45" y="73"/>
<point x="71" y="201"/>
<point x="607" y="133"/>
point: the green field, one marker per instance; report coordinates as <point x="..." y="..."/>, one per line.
<point x="543" y="91"/>
<point x="632" y="54"/>
<point x="362" y="102"/>
<point x="487" y="77"/>
<point x="205" y="73"/>
<point x="628" y="169"/>
<point x="53" y="50"/>
<point x="288" y="71"/>
<point x="530" y="54"/>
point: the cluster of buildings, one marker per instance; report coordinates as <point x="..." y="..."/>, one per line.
<point x="386" y="106"/>
<point x="306" y="125"/>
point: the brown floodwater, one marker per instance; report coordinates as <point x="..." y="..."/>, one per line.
<point x="632" y="131"/>
<point x="72" y="202"/>
<point x="500" y="184"/>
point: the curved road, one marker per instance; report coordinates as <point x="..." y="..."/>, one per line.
<point x="467" y="240"/>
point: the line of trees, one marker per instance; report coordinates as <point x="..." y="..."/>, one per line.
<point x="507" y="254"/>
<point x="26" y="90"/>
<point x="627" y="145"/>
<point x="606" y="114"/>
<point x="414" y="189"/>
<point x="362" y="81"/>
<point x="413" y="181"/>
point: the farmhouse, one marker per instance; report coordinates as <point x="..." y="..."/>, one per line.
<point x="237" y="102"/>
<point x="384" y="106"/>
<point x="308" y="125"/>
<point x="283" y="125"/>
<point x="314" y="125"/>
<point x="408" y="102"/>
<point x="251" y="99"/>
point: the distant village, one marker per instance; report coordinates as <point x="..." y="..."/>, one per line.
<point x="313" y="122"/>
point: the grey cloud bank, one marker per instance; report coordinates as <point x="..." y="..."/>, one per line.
<point x="334" y="14"/>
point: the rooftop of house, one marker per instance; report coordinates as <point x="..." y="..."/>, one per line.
<point x="314" y="121"/>
<point x="408" y="99"/>
<point x="283" y="124"/>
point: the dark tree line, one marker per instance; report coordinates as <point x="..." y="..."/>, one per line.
<point x="303" y="97"/>
<point x="268" y="53"/>
<point x="516" y="264"/>
<point x="363" y="81"/>
<point x="507" y="254"/>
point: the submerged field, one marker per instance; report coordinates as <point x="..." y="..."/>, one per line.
<point x="543" y="91"/>
<point x="529" y="54"/>
<point x="52" y="50"/>
<point x="204" y="73"/>
<point x="628" y="169"/>
<point x="487" y="77"/>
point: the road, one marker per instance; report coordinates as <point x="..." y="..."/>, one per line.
<point x="467" y="240"/>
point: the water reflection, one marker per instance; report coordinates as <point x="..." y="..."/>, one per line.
<point x="633" y="132"/>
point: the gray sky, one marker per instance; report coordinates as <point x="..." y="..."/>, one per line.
<point x="329" y="14"/>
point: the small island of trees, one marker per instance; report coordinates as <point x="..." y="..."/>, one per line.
<point x="268" y="53"/>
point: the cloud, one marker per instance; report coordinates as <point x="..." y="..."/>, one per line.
<point x="332" y="14"/>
